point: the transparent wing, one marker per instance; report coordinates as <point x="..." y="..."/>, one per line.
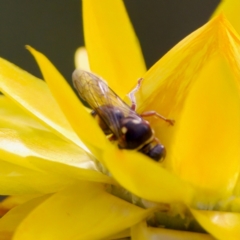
<point x="96" y="93"/>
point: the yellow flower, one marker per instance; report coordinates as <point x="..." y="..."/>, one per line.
<point x="54" y="155"/>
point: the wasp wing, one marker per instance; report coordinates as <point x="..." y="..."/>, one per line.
<point x="95" y="91"/>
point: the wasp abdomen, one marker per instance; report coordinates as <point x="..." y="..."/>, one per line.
<point x="107" y="115"/>
<point x="155" y="152"/>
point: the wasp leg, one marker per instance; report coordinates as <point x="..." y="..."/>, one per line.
<point x="93" y="113"/>
<point x="156" y="140"/>
<point x="154" y="113"/>
<point x="112" y="138"/>
<point x="131" y="95"/>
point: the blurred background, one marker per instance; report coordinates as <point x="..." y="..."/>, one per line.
<point x="55" y="28"/>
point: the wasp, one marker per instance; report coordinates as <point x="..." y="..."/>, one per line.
<point x="117" y="119"/>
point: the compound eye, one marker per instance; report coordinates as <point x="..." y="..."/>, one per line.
<point x="157" y="153"/>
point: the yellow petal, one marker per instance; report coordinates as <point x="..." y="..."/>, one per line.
<point x="13" y="115"/>
<point x="83" y="211"/>
<point x="113" y="48"/>
<point x="34" y="149"/>
<point x="85" y="170"/>
<point x="33" y="95"/>
<point x="21" y="135"/>
<point x="19" y="147"/>
<point x="197" y="84"/>
<point x="231" y="204"/>
<point x="231" y="9"/>
<point x="81" y="121"/>
<point x="146" y="178"/>
<point x="25" y="142"/>
<point x="81" y="59"/>
<point x="237" y="188"/>
<point x="20" y="129"/>
<point x="13" y="218"/>
<point x="207" y="136"/>
<point x="19" y="180"/>
<point x="166" y="85"/>
<point x="221" y="225"/>
<point x="142" y="232"/>
<point x="122" y="235"/>
<point x="15" y="200"/>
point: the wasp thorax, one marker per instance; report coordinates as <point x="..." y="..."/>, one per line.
<point x="107" y="116"/>
<point x="135" y="133"/>
<point x="110" y="112"/>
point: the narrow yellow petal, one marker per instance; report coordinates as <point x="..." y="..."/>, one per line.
<point x="83" y="211"/>
<point x="142" y="232"/>
<point x="81" y="121"/>
<point x="122" y="235"/>
<point x="34" y="96"/>
<point x="82" y="171"/>
<point x="15" y="179"/>
<point x="11" y="114"/>
<point x="15" y="200"/>
<point x="25" y="142"/>
<point x="10" y="221"/>
<point x="81" y="59"/>
<point x="145" y="178"/>
<point x="113" y="48"/>
<point x="22" y="135"/>
<point x="34" y="149"/>
<point x="197" y="84"/>
<point x="221" y="225"/>
<point x="231" y="9"/>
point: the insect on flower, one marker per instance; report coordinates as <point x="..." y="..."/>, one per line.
<point x="116" y="118"/>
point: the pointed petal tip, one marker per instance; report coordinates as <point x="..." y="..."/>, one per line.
<point x="231" y="10"/>
<point x="81" y="59"/>
<point x="67" y="101"/>
<point x="221" y="17"/>
<point x="222" y="21"/>
<point x="30" y="49"/>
